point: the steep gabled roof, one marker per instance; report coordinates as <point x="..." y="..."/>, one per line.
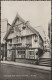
<point x="33" y="30"/>
<point x="13" y="24"/>
<point x="23" y="21"/>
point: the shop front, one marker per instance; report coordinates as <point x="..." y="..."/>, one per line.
<point x="20" y="54"/>
<point x="11" y="54"/>
<point x="24" y="55"/>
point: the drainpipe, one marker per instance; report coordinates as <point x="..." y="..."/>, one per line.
<point x="50" y="40"/>
<point x="38" y="47"/>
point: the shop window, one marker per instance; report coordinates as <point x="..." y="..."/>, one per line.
<point x="31" y="52"/>
<point x="21" y="54"/>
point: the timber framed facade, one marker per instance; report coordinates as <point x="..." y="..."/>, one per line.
<point x="23" y="41"/>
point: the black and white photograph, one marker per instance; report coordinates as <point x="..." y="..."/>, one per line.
<point x="25" y="40"/>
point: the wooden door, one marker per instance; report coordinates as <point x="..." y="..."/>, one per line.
<point x="13" y="56"/>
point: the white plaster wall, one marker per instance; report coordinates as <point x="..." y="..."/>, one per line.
<point x="28" y="31"/>
<point x="23" y="32"/>
<point x="17" y="22"/>
<point x="9" y="53"/>
<point x="16" y="54"/>
<point x="8" y="46"/>
<point x="11" y="35"/>
<point x="8" y="27"/>
<point x="14" y="40"/>
<point x="23" y="41"/>
<point x="34" y="44"/>
<point x="16" y="32"/>
<point x="27" y="54"/>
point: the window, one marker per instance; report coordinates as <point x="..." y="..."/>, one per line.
<point x="31" y="52"/>
<point x="21" y="54"/>
<point x="24" y="26"/>
<point x="29" y="41"/>
<point x="17" y="39"/>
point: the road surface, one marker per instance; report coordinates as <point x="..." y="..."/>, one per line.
<point x="12" y="72"/>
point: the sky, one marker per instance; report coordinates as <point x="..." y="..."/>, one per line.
<point x="38" y="13"/>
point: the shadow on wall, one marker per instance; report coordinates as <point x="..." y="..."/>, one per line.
<point x="41" y="53"/>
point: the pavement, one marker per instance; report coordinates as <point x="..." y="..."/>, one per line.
<point x="45" y="68"/>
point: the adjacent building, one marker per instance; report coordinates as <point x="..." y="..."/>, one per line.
<point x="4" y="24"/>
<point x="49" y="35"/>
<point x="23" y="41"/>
